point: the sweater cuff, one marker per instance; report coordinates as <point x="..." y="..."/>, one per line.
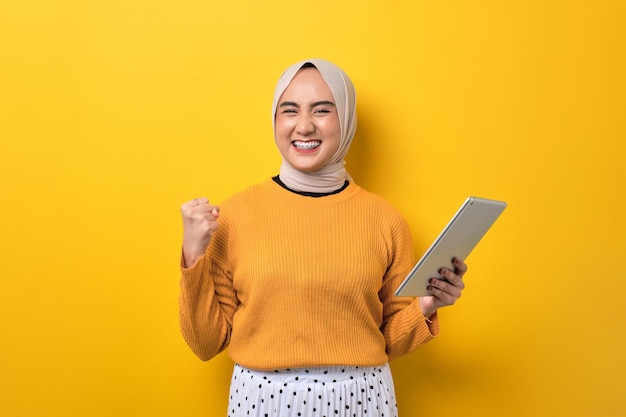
<point x="193" y="269"/>
<point x="433" y="323"/>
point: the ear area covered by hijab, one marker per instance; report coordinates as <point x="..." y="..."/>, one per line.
<point x="332" y="176"/>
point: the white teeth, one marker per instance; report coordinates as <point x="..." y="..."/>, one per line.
<point x="310" y="144"/>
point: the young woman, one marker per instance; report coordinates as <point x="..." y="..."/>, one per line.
<point x="296" y="275"/>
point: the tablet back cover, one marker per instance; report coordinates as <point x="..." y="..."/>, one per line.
<point x="458" y="239"/>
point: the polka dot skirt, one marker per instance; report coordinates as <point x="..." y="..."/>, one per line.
<point x="344" y="391"/>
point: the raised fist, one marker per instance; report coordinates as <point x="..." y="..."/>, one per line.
<point x="199" y="224"/>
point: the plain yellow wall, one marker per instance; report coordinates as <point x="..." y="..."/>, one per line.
<point x="112" y="113"/>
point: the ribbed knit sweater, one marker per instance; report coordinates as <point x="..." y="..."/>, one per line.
<point x="293" y="281"/>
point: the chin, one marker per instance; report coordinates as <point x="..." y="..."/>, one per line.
<point x="307" y="166"/>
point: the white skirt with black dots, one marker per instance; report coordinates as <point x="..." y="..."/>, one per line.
<point x="338" y="391"/>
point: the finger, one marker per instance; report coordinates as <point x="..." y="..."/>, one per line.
<point x="443" y="298"/>
<point x="196" y="202"/>
<point x="192" y="209"/>
<point x="204" y="210"/>
<point x="452" y="278"/>
<point x="460" y="267"/>
<point x="203" y="206"/>
<point x="187" y="205"/>
<point x="193" y="203"/>
<point x="444" y="291"/>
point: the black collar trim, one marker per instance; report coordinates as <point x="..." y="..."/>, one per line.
<point x="307" y="193"/>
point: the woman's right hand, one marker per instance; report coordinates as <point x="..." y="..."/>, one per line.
<point x="199" y="224"/>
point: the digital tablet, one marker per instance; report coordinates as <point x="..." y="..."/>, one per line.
<point x="457" y="239"/>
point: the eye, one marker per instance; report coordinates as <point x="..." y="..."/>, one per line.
<point x="289" y="110"/>
<point x="321" y="110"/>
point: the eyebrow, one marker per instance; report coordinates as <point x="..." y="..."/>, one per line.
<point x="317" y="103"/>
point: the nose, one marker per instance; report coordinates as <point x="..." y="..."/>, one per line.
<point x="305" y="124"/>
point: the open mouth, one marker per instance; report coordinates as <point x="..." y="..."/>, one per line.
<point x="308" y="145"/>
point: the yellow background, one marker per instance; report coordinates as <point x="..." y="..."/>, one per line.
<point x="113" y="113"/>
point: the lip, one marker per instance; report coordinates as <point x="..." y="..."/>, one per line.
<point x="314" y="145"/>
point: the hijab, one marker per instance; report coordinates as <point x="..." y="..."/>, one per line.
<point x="333" y="175"/>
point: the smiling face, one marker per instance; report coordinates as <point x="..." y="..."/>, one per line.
<point x="307" y="130"/>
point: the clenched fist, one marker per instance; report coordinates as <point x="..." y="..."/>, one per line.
<point x="199" y="224"/>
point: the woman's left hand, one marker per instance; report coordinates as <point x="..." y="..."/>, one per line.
<point x="445" y="292"/>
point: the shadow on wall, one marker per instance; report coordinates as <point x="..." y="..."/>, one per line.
<point x="218" y="375"/>
<point x="433" y="381"/>
<point x="359" y="157"/>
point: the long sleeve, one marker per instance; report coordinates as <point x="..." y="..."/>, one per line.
<point x="404" y="326"/>
<point x="208" y="301"/>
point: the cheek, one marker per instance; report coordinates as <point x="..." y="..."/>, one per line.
<point x="331" y="125"/>
<point x="332" y="130"/>
<point x="283" y="125"/>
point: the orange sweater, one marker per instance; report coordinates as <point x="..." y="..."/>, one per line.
<point x="293" y="281"/>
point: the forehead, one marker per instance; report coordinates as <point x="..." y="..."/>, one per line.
<point x="307" y="84"/>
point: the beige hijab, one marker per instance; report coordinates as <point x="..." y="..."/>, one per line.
<point x="333" y="175"/>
